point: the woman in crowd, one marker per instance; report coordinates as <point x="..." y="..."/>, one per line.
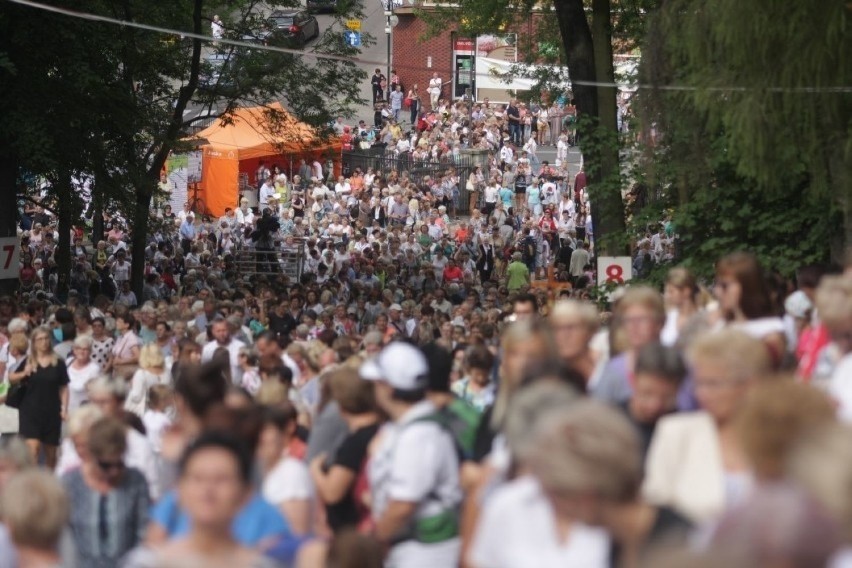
<point x="286" y="481"/>
<point x="681" y="294"/>
<point x="574" y="324"/>
<point x="576" y="502"/>
<point x="125" y="352"/>
<point x="81" y="371"/>
<point x="152" y="371"/>
<point x="44" y="379"/>
<point x="339" y="478"/>
<point x="639" y="316"/>
<point x="522" y="343"/>
<point x="214" y="482"/>
<point x="109" y="501"/>
<point x="102" y="343"/>
<point x="696" y="463"/>
<point x="746" y="303"/>
<point x="35" y="513"/>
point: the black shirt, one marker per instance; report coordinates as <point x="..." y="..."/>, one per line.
<point x="351" y="454"/>
<point x="645" y="430"/>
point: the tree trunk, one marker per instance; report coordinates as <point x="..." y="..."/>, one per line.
<point x="158" y="160"/>
<point x="607" y="202"/>
<point x="596" y="110"/>
<point x="9" y="213"/>
<point x="139" y="240"/>
<point x="62" y="255"/>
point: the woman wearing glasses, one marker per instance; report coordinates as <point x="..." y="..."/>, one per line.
<point x="109" y="501"/>
<point x="45" y="401"/>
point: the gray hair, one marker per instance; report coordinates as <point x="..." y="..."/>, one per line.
<point x="83" y="341"/>
<point x="591" y="448"/>
<point x="14" y="450"/>
<point x="529" y="405"/>
<point x="113" y="387"/>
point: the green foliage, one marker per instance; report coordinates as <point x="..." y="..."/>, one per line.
<point x="767" y="72"/>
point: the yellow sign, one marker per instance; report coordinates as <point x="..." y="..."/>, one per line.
<point x="354" y="25"/>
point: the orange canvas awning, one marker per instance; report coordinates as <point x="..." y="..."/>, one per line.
<point x="250" y="133"/>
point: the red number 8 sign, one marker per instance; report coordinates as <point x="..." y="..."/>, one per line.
<point x="614" y="269"/>
<point x="614" y="273"/>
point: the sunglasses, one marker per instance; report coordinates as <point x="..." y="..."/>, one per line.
<point x="108" y="466"/>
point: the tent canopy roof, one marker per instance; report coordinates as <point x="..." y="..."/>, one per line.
<point x="254" y="132"/>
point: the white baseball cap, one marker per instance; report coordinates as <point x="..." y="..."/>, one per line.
<point x="400" y="365"/>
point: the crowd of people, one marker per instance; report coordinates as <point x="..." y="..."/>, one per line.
<point x="426" y="393"/>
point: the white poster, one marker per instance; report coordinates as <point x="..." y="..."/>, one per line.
<point x="9" y="265"/>
<point x="617" y="269"/>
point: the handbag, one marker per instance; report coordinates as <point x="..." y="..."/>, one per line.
<point x="17" y="391"/>
<point x="407" y="102"/>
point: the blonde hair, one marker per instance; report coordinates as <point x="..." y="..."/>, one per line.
<point x="588" y="448"/>
<point x="646" y="297"/>
<point x="83" y="342"/>
<point x="680" y="277"/>
<point x="529" y="405"/>
<point x="575" y="309"/>
<point x="35" y="509"/>
<point x="834" y="300"/>
<point x="150" y="357"/>
<point x="83" y="418"/>
<point x="740" y="355"/>
<point x="822" y="463"/>
<point x="33" y="357"/>
<point x="774" y="417"/>
<point x="514" y="334"/>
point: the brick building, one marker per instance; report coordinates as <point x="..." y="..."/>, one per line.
<point x="416" y="59"/>
<point x="450" y="54"/>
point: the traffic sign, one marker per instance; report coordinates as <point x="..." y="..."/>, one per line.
<point x="617" y="269"/>
<point x="354" y="25"/>
<point x="353" y="39"/>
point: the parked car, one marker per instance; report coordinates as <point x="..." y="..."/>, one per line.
<point x="218" y="73"/>
<point x="291" y="28"/>
<point x="315" y="6"/>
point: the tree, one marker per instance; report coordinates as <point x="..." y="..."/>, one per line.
<point x="135" y="87"/>
<point x="585" y="34"/>
<point x="771" y="80"/>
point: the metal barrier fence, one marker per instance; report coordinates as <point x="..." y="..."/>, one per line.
<point x="416" y="170"/>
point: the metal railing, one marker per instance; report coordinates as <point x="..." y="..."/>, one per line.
<point x="416" y="170"/>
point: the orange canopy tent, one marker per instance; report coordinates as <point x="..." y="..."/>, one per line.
<point x="245" y="136"/>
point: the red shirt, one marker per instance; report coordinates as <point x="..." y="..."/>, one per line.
<point x="453" y="274"/>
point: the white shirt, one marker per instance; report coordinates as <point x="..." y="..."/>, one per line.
<point x="840" y="388"/>
<point x="233" y="349"/>
<point x="77" y="381"/>
<point x="266" y="191"/>
<point x="435" y="84"/>
<point x="289" y="480"/>
<point x="137" y="399"/>
<point x="155" y="423"/>
<point x="517" y="529"/>
<point x="491" y="193"/>
<point x="417" y="462"/>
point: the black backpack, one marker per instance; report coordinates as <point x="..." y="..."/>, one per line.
<point x="529" y="249"/>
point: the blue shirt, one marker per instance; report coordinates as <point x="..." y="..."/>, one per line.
<point x="257" y="521"/>
<point x="187" y="230"/>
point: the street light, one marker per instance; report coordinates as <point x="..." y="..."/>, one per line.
<point x="391" y="20"/>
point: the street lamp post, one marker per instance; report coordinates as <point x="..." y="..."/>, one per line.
<point x="388" y="6"/>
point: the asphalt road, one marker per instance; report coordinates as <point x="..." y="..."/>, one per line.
<point x="373" y="24"/>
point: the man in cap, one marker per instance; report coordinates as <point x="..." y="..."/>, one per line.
<point x="414" y="473"/>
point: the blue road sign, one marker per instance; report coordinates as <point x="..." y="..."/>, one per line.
<point x="353" y="39"/>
